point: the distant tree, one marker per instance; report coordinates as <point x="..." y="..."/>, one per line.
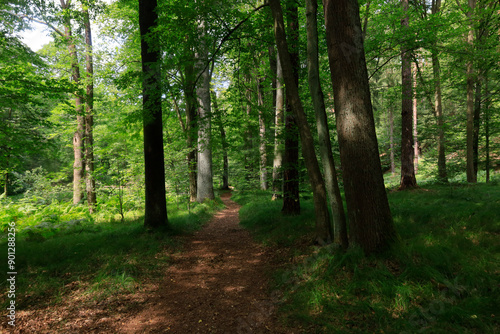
<point x="408" y="179"/>
<point x="89" y="114"/>
<point x="290" y="163"/>
<point x="278" y="131"/>
<point x="204" y="183"/>
<point x="324" y="233"/>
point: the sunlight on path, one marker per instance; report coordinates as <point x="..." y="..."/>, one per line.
<point x="218" y="284"/>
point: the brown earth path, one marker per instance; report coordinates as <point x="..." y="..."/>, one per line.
<point x="218" y="284"/>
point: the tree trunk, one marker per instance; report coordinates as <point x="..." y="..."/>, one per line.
<point x="205" y="177"/>
<point x="370" y="221"/>
<point x="278" y="131"/>
<point x="438" y="106"/>
<point x="415" y="120"/>
<point x="6" y="185"/>
<point x="487" y="125"/>
<point x="471" y="175"/>
<point x="155" y="206"/>
<point x="191" y="127"/>
<point x="89" y="117"/>
<point x="78" y="150"/>
<point x="323" y="225"/>
<point x="291" y="200"/>
<point x="273" y="66"/>
<point x="407" y="154"/>
<point x="325" y="146"/>
<point x="477" y="114"/>
<point x="438" y="110"/>
<point x="248" y="140"/>
<point x="262" y="137"/>
<point x="391" y="141"/>
<point x="225" y="168"/>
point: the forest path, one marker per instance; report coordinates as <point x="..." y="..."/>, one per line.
<point x="217" y="284"/>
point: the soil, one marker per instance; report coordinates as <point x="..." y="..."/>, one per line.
<point x="217" y="284"/>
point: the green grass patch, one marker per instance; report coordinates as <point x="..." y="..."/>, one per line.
<point x="97" y="259"/>
<point x="441" y="277"/>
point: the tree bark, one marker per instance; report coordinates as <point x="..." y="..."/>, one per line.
<point x="225" y="161"/>
<point x="487" y="125"/>
<point x="205" y="187"/>
<point x="291" y="199"/>
<point x="471" y="175"/>
<point x="438" y="106"/>
<point x="325" y="146"/>
<point x="323" y="225"/>
<point x="477" y="114"/>
<point x="155" y="206"/>
<point x="278" y="132"/>
<point x="370" y="221"/>
<point x="408" y="179"/>
<point x="415" y="120"/>
<point x="248" y="140"/>
<point x="262" y="137"/>
<point x="89" y="117"/>
<point x="191" y="127"/>
<point x="391" y="140"/>
<point x="78" y="149"/>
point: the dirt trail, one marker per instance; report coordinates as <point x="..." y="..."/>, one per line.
<point x="218" y="284"/>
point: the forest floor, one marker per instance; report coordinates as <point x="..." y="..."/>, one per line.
<point x="218" y="283"/>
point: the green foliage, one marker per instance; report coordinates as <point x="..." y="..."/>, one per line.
<point x="442" y="275"/>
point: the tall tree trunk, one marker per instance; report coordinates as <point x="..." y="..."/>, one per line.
<point x="487" y="125"/>
<point x="78" y="150"/>
<point x="365" y="21"/>
<point x="325" y="146"/>
<point x="471" y="175"/>
<point x="273" y="66"/>
<point x="438" y="110"/>
<point x="154" y="172"/>
<point x="262" y="137"/>
<point x="278" y="131"/>
<point x="370" y="220"/>
<point x="205" y="173"/>
<point x="8" y="149"/>
<point x="391" y="140"/>
<point x="415" y="120"/>
<point x="6" y="185"/>
<point x="248" y="140"/>
<point x="408" y="179"/>
<point x="477" y="114"/>
<point x="323" y="225"/>
<point x="191" y="127"/>
<point x="89" y="117"/>
<point x="225" y="161"/>
<point x="291" y="200"/>
<point x="438" y="106"/>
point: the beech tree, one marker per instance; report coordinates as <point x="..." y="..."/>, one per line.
<point x="278" y="130"/>
<point x="370" y="220"/>
<point x="408" y="179"/>
<point x="325" y="146"/>
<point x="156" y="205"/>
<point x="324" y="233"/>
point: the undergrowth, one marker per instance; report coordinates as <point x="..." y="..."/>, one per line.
<point x="442" y="276"/>
<point x="61" y="249"/>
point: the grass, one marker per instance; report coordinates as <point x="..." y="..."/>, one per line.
<point x="442" y="276"/>
<point x="71" y="251"/>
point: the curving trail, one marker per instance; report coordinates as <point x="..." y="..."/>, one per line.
<point x="218" y="284"/>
